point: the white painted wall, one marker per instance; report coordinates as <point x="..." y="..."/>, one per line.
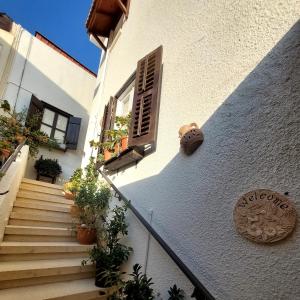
<point x="11" y="182"/>
<point x="42" y="71"/>
<point x="233" y="67"/>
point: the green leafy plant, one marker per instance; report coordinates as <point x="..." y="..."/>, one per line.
<point x="175" y="293"/>
<point x="47" y="167"/>
<point x="110" y="253"/>
<point x="92" y="196"/>
<point x="73" y="185"/>
<point x="123" y="124"/>
<point x="16" y="128"/>
<point x="139" y="287"/>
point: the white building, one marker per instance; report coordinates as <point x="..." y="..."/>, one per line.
<point x="35" y="70"/>
<point x="233" y="68"/>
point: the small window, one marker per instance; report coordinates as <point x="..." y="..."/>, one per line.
<point x="125" y="100"/>
<point x="55" y="125"/>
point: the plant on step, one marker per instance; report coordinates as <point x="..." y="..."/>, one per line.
<point x="47" y="167"/>
<point x="110" y="253"/>
<point x="72" y="186"/>
<point x="92" y="199"/>
<point x="16" y="128"/>
<point x="139" y="287"/>
<point x="175" y="293"/>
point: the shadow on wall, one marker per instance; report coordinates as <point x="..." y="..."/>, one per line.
<point x="37" y="83"/>
<point x="251" y="141"/>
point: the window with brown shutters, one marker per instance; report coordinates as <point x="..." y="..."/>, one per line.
<point x="57" y="124"/>
<point x="144" y="96"/>
<point x="145" y="106"/>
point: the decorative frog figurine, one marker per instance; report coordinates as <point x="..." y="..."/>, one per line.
<point x="191" y="137"/>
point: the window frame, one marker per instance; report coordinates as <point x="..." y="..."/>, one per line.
<point x="53" y="127"/>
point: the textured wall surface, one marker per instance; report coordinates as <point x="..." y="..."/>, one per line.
<point x="11" y="182"/>
<point x="233" y="67"/>
<point x="56" y="80"/>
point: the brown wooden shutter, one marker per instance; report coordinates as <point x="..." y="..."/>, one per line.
<point x="35" y="111"/>
<point x="102" y="135"/>
<point x="108" y="119"/>
<point x="145" y="106"/>
<point x="73" y="133"/>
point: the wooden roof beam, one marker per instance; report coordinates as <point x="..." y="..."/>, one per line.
<point x="123" y="7"/>
<point x="99" y="42"/>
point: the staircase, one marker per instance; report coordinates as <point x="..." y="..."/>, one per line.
<point x="39" y="255"/>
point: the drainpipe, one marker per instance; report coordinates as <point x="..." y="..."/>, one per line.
<point x="24" y="67"/>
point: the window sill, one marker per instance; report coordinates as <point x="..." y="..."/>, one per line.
<point x="125" y="158"/>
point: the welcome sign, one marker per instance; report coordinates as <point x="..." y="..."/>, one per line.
<point x="264" y="216"/>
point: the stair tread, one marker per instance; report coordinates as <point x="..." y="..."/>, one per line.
<point x="37" y="228"/>
<point x="42" y="206"/>
<point x="41" y="183"/>
<point x="38" y="231"/>
<point x="39" y="264"/>
<point x="49" y="290"/>
<point x="49" y="244"/>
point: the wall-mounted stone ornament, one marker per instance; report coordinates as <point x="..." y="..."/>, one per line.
<point x="191" y="137"/>
<point x="264" y="216"/>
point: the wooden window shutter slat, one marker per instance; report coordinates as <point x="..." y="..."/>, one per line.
<point x="108" y="119"/>
<point x="105" y="113"/>
<point x="35" y="110"/>
<point x="73" y="133"/>
<point x="145" y="106"/>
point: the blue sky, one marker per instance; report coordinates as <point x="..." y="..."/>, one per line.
<point x="61" y="21"/>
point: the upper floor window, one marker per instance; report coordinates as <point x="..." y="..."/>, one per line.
<point x="57" y="124"/>
<point x="139" y="96"/>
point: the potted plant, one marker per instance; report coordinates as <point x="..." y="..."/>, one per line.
<point x="6" y="148"/>
<point x="175" y="293"/>
<point x="109" y="253"/>
<point x="71" y="187"/>
<point x="123" y="125"/>
<point x="139" y="287"/>
<point x="108" y="149"/>
<point x="92" y="199"/>
<point x="47" y="167"/>
<point x="16" y="128"/>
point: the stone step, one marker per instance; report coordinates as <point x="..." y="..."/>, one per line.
<point x="38" y="234"/>
<point x="42" y="247"/>
<point x="22" y="273"/>
<point x="42" y="205"/>
<point x="44" y="217"/>
<point x="75" y="290"/>
<point x="42" y="213"/>
<point x="41" y="183"/>
<point x="34" y="223"/>
<point x="41" y="189"/>
<point x="24" y="194"/>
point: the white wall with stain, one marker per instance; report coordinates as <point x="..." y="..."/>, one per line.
<point x="233" y="67"/>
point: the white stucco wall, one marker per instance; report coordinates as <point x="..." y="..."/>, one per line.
<point x="233" y="68"/>
<point x="56" y="80"/>
<point x="11" y="182"/>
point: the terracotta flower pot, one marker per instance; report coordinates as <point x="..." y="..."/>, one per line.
<point x="69" y="195"/>
<point x="75" y="211"/>
<point x="86" y="236"/>
<point x="5" y="153"/>
<point x="124" y="143"/>
<point x="107" y="154"/>
<point x="117" y="149"/>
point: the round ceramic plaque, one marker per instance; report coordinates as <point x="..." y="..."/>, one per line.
<point x="264" y="216"/>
